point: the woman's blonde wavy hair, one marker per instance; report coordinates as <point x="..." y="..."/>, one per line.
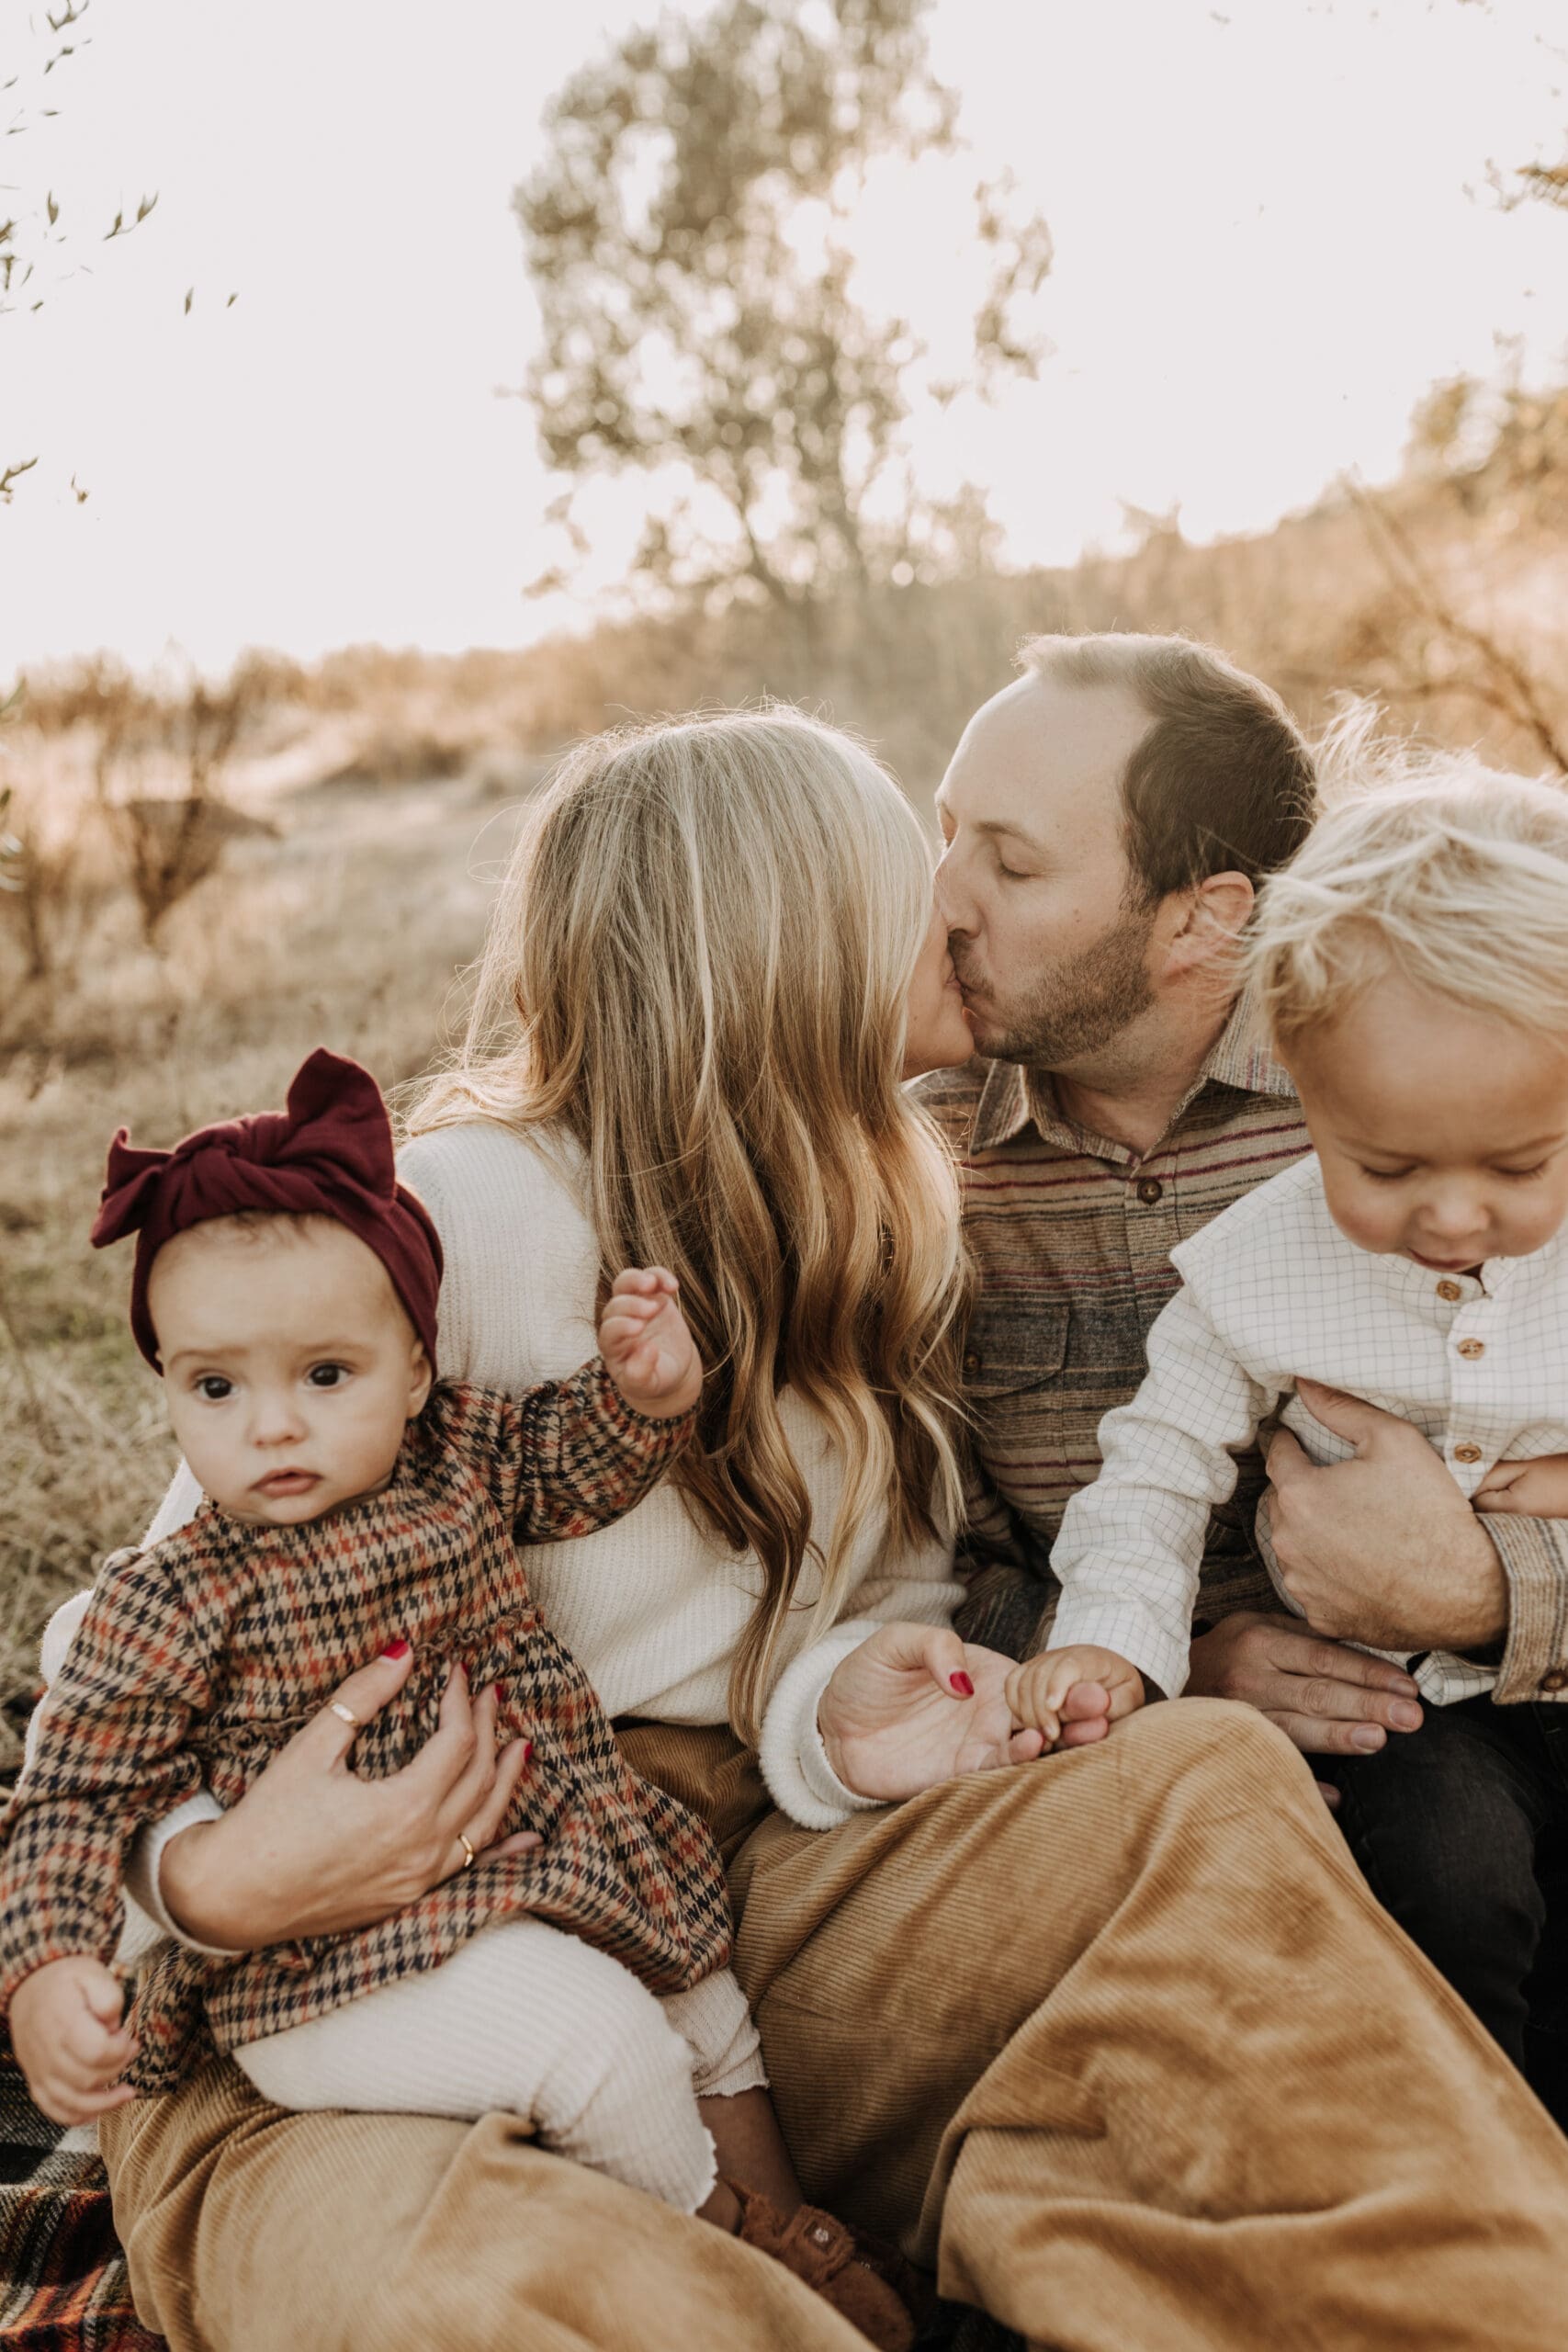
<point x="698" y="965"/>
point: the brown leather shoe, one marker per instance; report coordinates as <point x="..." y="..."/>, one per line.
<point x="826" y="2256"/>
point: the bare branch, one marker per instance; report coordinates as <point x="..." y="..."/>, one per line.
<point x="1502" y="680"/>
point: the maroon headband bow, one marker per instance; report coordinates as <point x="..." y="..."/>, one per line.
<point x="330" y="1154"/>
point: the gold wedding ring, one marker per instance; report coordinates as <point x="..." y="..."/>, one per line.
<point x="468" y="1851"/>
<point x="344" y="1714"/>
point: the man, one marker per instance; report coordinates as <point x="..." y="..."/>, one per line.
<point x="1107" y="819"/>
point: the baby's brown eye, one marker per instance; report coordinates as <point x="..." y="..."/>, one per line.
<point x="326" y="1375"/>
<point x="213" y="1388"/>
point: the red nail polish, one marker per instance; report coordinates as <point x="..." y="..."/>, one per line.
<point x="527" y="1750"/>
<point x="399" y="1648"/>
<point x="963" y="1685"/>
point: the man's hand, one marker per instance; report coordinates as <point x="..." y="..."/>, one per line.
<point x="1330" y="1701"/>
<point x="1099" y="1682"/>
<point x="1382" y="1549"/>
<point x="69" y="2041"/>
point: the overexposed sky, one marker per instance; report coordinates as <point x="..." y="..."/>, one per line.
<point x="1272" y="231"/>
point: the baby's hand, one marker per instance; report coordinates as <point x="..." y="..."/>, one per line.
<point x="69" y="2041"/>
<point x="1537" y="1489"/>
<point x="1037" y="1690"/>
<point x="647" y="1350"/>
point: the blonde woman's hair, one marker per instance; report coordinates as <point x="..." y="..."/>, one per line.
<point x="698" y="965"/>
<point x="1451" y="874"/>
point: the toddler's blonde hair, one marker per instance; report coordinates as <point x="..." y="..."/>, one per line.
<point x="1437" y="867"/>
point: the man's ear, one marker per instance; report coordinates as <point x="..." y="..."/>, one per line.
<point x="422" y="1379"/>
<point x="1218" y="912"/>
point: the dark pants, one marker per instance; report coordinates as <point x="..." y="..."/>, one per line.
<point x="1462" y="1831"/>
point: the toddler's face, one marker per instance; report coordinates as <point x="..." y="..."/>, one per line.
<point x="1443" y="1133"/>
<point x="291" y="1366"/>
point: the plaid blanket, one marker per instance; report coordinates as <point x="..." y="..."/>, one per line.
<point x="62" y="2279"/>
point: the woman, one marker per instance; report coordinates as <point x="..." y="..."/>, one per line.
<point x="1117" y="2040"/>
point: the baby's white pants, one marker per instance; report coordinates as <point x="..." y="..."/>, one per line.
<point x="531" y="2021"/>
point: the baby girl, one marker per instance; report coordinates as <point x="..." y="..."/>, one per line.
<point x="286" y="1286"/>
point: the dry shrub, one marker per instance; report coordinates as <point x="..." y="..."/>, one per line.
<point x="172" y="845"/>
<point x="62" y="871"/>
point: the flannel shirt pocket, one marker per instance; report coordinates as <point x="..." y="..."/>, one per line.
<point x="1014" y="1347"/>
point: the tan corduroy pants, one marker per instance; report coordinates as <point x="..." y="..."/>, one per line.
<point x="1118" y="2040"/>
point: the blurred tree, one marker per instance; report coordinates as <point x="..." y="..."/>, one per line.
<point x="691" y="239"/>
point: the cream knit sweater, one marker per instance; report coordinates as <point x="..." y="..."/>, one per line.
<point x="651" y="1608"/>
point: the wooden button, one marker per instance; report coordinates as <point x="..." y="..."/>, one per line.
<point x="971" y="1362"/>
<point x="1555" y="1679"/>
<point x="1467" y="1453"/>
<point x="1149" y="1190"/>
<point x="1473" y="1348"/>
<point x="1451" y="1291"/>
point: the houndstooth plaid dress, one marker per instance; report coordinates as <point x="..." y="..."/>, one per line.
<point x="200" y="1657"/>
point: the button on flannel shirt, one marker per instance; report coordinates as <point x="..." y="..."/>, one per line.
<point x="1071" y="1234"/>
<point x="1272" y="1292"/>
<point x="200" y="1657"/>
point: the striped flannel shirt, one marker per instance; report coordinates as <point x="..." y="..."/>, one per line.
<point x="1272" y="1292"/>
<point x="1070" y="1235"/>
<point x="201" y="1657"/>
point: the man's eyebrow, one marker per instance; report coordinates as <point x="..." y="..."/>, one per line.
<point x="997" y="828"/>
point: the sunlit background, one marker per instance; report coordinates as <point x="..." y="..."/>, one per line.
<point x="1274" y="226"/>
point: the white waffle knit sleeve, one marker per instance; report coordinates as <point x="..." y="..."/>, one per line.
<point x="1130" y="1546"/>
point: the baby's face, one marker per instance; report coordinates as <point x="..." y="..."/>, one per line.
<point x="1443" y="1133"/>
<point x="291" y="1366"/>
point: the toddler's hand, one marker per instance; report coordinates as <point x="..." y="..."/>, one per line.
<point x="1537" y="1489"/>
<point x="1037" y="1690"/>
<point x="69" y="2041"/>
<point x="647" y="1350"/>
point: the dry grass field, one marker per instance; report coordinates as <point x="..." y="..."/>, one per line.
<point x="210" y="883"/>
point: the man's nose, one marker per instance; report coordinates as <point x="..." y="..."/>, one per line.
<point x="953" y="903"/>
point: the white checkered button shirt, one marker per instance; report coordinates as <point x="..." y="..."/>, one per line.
<point x="1273" y="1292"/>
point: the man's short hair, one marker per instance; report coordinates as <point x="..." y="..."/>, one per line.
<point x="1222" y="781"/>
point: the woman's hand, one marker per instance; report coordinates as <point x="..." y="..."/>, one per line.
<point x="311" y="1851"/>
<point x="914" y="1705"/>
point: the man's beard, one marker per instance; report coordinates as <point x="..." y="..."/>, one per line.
<point x="1079" y="1006"/>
